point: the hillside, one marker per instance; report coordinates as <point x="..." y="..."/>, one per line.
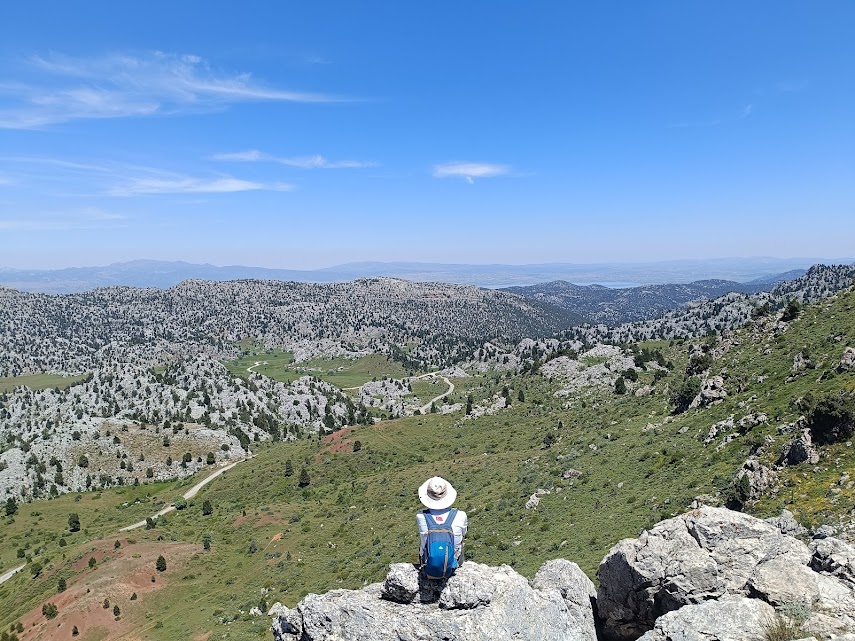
<point x="552" y="462"/>
<point x="610" y="306"/>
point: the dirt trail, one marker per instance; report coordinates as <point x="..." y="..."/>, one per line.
<point x="8" y="575"/>
<point x="189" y="494"/>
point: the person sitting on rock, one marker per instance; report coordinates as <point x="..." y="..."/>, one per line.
<point x="441" y="529"/>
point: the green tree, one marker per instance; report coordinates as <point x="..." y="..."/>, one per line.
<point x="83" y="461"/>
<point x="620" y="385"/>
<point x="206" y="540"/>
<point x="791" y="311"/>
<point x="61" y="585"/>
<point x="831" y="419"/>
<point x="73" y="522"/>
<point x="686" y="393"/>
<point x="207" y="508"/>
<point x="49" y="610"/>
<point x="149" y="523"/>
<point x="521" y="396"/>
<point x="11" y="506"/>
<point x="36" y="569"/>
<point x="160" y="564"/>
<point x="117" y="544"/>
<point x="106" y="604"/>
<point x="74" y="631"/>
<point x="116" y="611"/>
<point x="304" y="478"/>
<point x="211" y="458"/>
<point x="357" y="445"/>
<point x="289" y="468"/>
<point x="92" y="562"/>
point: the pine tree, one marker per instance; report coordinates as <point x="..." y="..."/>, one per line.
<point x="207" y="508"/>
<point x="160" y="564"/>
<point x="73" y="522"/>
<point x="289" y="468"/>
<point x="11" y="506"/>
<point x="304" y="478"/>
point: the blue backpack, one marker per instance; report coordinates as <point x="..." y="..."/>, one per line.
<point x="439" y="561"/>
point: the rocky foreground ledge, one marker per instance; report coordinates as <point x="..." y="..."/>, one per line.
<point x="708" y="575"/>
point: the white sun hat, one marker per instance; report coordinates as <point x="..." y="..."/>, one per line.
<point x="437" y="494"/>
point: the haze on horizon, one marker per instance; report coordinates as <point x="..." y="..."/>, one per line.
<point x="306" y="136"/>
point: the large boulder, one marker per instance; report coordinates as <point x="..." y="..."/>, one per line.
<point x="711" y="553"/>
<point x="847" y="361"/>
<point x="478" y="602"/>
<point x="727" y="619"/>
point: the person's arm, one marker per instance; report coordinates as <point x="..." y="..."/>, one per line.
<point x="459" y="527"/>
<point x="423" y="532"/>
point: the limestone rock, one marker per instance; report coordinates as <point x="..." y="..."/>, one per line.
<point x="847" y="361"/>
<point x="787" y="523"/>
<point x="760" y="478"/>
<point x="728" y="619"/>
<point x="703" y="554"/>
<point x="800" y="450"/>
<point x="478" y="602"/>
<point x="712" y="392"/>
<point x="834" y="557"/>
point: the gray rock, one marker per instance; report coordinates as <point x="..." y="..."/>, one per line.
<point x="834" y="557"/>
<point x="824" y="531"/>
<point x="800" y="450"/>
<point x="576" y="589"/>
<point x="478" y="602"/>
<point x="727" y="619"/>
<point x="760" y="478"/>
<point x="847" y="361"/>
<point x="787" y="524"/>
<point x="701" y="555"/>
<point x="402" y="583"/>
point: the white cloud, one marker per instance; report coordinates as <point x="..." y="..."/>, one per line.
<point x="61" y="88"/>
<point x="746" y="111"/>
<point x="469" y="170"/>
<point x="301" y="162"/>
<point x="190" y="185"/>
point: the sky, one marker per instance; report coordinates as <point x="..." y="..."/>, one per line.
<point x="309" y="134"/>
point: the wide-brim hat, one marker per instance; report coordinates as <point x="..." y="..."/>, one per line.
<point x="437" y="494"/>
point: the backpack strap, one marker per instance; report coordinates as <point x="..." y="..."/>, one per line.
<point x="433" y="525"/>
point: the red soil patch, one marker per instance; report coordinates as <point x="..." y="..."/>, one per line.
<point x="116" y="577"/>
<point x="337" y="436"/>
<point x="276" y="537"/>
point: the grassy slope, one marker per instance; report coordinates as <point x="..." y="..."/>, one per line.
<point x="39" y="381"/>
<point x="341" y="372"/>
<point x="357" y="514"/>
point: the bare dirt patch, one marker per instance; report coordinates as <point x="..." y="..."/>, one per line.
<point x="118" y="574"/>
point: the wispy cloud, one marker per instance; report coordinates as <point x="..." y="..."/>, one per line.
<point x="61" y="88"/>
<point x="5" y="181"/>
<point x="469" y="170"/>
<point x="190" y="185"/>
<point x="80" y="218"/>
<point x="746" y="111"/>
<point x="120" y="179"/>
<point x="300" y="162"/>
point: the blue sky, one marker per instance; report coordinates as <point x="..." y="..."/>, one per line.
<point x="306" y="134"/>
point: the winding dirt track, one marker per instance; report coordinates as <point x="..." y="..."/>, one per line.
<point x="189" y="494"/>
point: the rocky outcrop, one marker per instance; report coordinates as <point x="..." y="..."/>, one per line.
<point x="847" y="361"/>
<point x="478" y="602"/>
<point x="800" y="450"/>
<point x="713" y="554"/>
<point x="760" y="478"/>
<point x="712" y="392"/>
<point x="728" y="619"/>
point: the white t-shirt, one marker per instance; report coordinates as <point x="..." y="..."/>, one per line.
<point x="459" y="526"/>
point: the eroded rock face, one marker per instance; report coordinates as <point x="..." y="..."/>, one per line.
<point x="713" y="553"/>
<point x="478" y="602"/>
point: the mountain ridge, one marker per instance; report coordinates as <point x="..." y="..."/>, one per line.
<point x="163" y="274"/>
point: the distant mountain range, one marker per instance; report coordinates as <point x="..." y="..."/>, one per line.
<point x="598" y="304"/>
<point x="162" y="274"/>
